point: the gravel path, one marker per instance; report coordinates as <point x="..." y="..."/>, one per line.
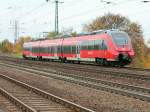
<point x="94" y="99"/>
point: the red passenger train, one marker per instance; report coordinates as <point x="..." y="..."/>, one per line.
<point x="106" y="47"/>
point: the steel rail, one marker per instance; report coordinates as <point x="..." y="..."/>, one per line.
<point x="48" y="96"/>
<point x="129" y="68"/>
<point x="118" y="88"/>
<point x="16" y="101"/>
<point x="118" y="74"/>
<point x="98" y="81"/>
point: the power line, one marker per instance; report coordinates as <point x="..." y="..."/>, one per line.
<point x="56" y="15"/>
<point x="87" y="12"/>
<point x="31" y="11"/>
<point x="16" y="31"/>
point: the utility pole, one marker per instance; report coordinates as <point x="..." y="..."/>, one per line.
<point x="16" y="31"/>
<point x="56" y="15"/>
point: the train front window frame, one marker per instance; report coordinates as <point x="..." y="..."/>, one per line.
<point x="120" y="38"/>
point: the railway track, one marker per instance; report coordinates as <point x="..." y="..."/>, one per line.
<point x="7" y="106"/>
<point x="85" y="70"/>
<point x="80" y="66"/>
<point x="31" y="99"/>
<point x="118" y="88"/>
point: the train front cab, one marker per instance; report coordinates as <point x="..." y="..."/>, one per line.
<point x="123" y="51"/>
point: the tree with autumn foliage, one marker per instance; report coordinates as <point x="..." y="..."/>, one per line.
<point x="18" y="46"/>
<point x="64" y="32"/>
<point x="6" y="46"/>
<point x="112" y="21"/>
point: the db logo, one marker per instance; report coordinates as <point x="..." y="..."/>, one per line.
<point x="123" y="49"/>
<point x="90" y="53"/>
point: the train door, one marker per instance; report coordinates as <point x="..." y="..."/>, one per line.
<point x="55" y="51"/>
<point x="104" y="48"/>
<point x="78" y="47"/>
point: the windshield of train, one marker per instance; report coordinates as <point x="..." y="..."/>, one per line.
<point x="120" y="38"/>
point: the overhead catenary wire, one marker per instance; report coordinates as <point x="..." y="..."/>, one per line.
<point x="90" y="11"/>
<point x="31" y="11"/>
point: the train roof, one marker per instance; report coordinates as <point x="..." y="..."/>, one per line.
<point x="109" y="31"/>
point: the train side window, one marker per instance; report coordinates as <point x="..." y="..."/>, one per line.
<point x="55" y="48"/>
<point x="96" y="44"/>
<point x="82" y="46"/>
<point x="34" y="49"/>
<point x="101" y="45"/>
<point x="42" y="49"/>
<point x="48" y="49"/>
<point x="73" y="49"/>
<point x="86" y="45"/>
<point x="70" y="49"/>
<point x="51" y="49"/>
<point x="90" y="45"/>
<point x="104" y="45"/>
<point x="64" y="49"/>
<point x="58" y="49"/>
<point x="45" y="49"/>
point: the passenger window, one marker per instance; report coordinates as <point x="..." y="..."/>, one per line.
<point x="104" y="46"/>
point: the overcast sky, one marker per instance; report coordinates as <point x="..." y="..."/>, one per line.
<point x="37" y="16"/>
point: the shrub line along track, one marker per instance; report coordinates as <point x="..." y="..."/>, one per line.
<point x="127" y="90"/>
<point x="38" y="99"/>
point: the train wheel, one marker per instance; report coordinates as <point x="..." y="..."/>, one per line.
<point x="105" y="62"/>
<point x="39" y="58"/>
<point x="112" y="64"/>
<point x="78" y="62"/>
<point x="24" y="56"/>
<point x="99" y="61"/>
<point x="63" y="60"/>
<point x="121" y="64"/>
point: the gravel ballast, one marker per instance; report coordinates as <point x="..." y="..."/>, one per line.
<point x="97" y="100"/>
